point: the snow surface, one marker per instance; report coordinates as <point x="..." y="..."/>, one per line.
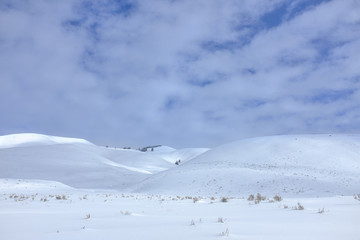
<point x="183" y="155"/>
<point x="28" y="211"/>
<point x="61" y="188"/>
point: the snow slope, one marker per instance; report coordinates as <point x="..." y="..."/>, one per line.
<point x="183" y="155"/>
<point x="306" y="165"/>
<point x="77" y="162"/>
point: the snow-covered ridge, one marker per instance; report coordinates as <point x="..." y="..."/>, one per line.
<point x="307" y="165"/>
<point x="33" y="139"/>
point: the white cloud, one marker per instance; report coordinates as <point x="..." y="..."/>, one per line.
<point x="94" y="72"/>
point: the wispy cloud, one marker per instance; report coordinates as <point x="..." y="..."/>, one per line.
<point x="183" y="73"/>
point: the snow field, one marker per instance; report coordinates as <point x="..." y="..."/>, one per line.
<point x="81" y="214"/>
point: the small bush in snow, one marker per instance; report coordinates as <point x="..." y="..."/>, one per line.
<point x="320" y="211"/>
<point x="88" y="216"/>
<point x="357" y="197"/>
<point x="125" y="213"/>
<point x="220" y="220"/>
<point x="225" y="233"/>
<point x="195" y="199"/>
<point x="260" y="198"/>
<point x="58" y="197"/>
<point x="298" y="207"/>
<point x="251" y="197"/>
<point x="192" y="223"/>
<point x="277" y="198"/>
<point x="224" y="199"/>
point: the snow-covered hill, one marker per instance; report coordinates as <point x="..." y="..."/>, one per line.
<point x="307" y="165"/>
<point x="79" y="163"/>
<point x="33" y="139"/>
<point x="40" y="177"/>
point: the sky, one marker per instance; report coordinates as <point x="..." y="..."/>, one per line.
<point x="182" y="73"/>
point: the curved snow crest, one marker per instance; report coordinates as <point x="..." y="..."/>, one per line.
<point x="34" y="139"/>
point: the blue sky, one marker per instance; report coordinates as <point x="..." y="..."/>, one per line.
<point x="180" y="73"/>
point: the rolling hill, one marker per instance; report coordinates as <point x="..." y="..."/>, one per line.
<point x="306" y="165"/>
<point x="79" y="163"/>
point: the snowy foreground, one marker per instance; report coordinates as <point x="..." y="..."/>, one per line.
<point x="48" y="210"/>
<point x="309" y="188"/>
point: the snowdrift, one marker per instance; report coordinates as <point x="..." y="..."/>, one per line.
<point x="306" y="165"/>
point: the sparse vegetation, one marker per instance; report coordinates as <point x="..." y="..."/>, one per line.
<point x="260" y="198"/>
<point x="224" y="199"/>
<point x="225" y="233"/>
<point x="357" y="197"/>
<point x="192" y="223"/>
<point x="298" y="207"/>
<point x="320" y="211"/>
<point x="59" y="197"/>
<point x="87" y="216"/>
<point x="125" y="213"/>
<point x="277" y="198"/>
<point x="195" y="199"/>
<point x="220" y="220"/>
<point x="145" y="149"/>
<point x="251" y="197"/>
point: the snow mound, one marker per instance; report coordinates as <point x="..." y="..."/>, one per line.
<point x="306" y="165"/>
<point x="33" y="139"/>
